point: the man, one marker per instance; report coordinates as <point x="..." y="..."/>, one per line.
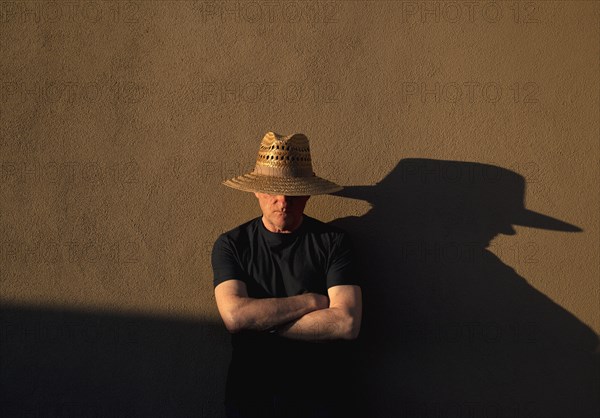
<point x="286" y="289"/>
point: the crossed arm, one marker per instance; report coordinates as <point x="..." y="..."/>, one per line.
<point x="309" y="316"/>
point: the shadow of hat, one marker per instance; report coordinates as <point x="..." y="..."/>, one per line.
<point x="457" y="183"/>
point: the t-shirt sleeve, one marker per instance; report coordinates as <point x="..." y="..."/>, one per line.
<point x="225" y="262"/>
<point x="341" y="266"/>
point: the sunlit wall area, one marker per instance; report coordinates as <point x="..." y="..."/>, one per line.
<point x="120" y="120"/>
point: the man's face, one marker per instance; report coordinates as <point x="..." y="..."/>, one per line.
<point x="281" y="213"/>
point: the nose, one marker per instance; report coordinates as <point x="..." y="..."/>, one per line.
<point x="281" y="199"/>
<point x="284" y="202"/>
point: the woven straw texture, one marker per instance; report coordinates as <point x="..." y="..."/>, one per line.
<point x="283" y="167"/>
<point x="288" y="186"/>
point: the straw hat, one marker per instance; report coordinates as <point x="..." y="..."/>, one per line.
<point x="283" y="167"/>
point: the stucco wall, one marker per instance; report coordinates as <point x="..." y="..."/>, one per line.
<point x="119" y="120"/>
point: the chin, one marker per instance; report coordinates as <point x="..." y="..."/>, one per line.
<point x="284" y="222"/>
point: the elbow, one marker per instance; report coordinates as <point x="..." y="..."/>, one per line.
<point x="354" y="332"/>
<point x="352" y="328"/>
<point x="232" y="328"/>
<point x="232" y="322"/>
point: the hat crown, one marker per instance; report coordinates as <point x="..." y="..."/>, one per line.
<point x="284" y="156"/>
<point x="283" y="167"/>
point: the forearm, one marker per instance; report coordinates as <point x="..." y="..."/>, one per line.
<point x="264" y="314"/>
<point x="323" y="325"/>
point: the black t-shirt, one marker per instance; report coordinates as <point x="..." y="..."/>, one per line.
<point x="313" y="258"/>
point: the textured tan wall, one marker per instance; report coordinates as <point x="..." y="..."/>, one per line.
<point x="118" y="120"/>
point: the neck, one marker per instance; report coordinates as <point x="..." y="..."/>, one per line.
<point x="286" y="229"/>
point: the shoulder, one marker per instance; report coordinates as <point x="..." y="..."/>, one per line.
<point x="243" y="229"/>
<point x="239" y="233"/>
<point x="326" y="233"/>
<point x="316" y="225"/>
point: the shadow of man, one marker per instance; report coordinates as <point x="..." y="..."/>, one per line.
<point x="449" y="330"/>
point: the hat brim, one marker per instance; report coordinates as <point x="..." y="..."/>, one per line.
<point x="288" y="186"/>
<point x="523" y="217"/>
<point x="534" y="219"/>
